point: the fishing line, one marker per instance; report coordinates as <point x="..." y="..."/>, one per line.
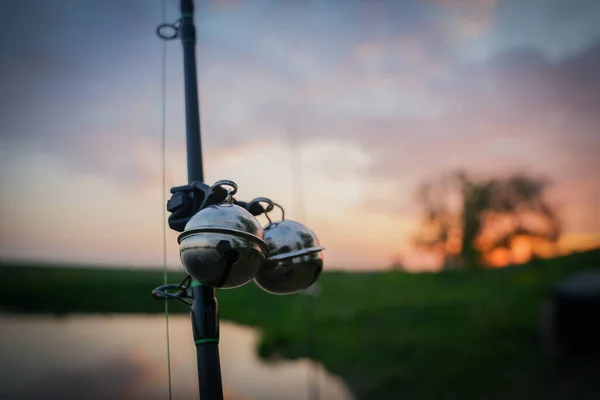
<point x="164" y="184"/>
<point x="297" y="180"/>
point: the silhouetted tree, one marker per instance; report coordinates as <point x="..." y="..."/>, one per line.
<point x="465" y="218"/>
<point x="398" y="265"/>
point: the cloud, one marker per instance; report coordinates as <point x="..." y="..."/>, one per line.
<point x="418" y="86"/>
<point x="515" y="110"/>
<point x="254" y="79"/>
<point x="553" y="27"/>
<point x="471" y="17"/>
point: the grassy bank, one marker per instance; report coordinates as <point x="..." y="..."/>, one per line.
<point x="453" y="335"/>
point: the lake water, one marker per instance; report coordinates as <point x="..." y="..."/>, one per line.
<point x="125" y="357"/>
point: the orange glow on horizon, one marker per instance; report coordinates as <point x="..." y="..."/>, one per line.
<point x="522" y="249"/>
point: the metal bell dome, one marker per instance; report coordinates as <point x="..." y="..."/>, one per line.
<point x="295" y="258"/>
<point x="222" y="246"/>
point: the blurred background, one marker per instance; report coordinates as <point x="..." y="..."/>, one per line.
<point x="446" y="152"/>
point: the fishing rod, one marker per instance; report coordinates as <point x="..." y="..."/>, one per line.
<point x="222" y="244"/>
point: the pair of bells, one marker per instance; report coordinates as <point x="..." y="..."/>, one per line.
<point x="225" y="246"/>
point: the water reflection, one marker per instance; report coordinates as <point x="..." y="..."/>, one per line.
<point x="124" y="357"/>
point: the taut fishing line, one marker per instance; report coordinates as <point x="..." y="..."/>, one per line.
<point x="297" y="180"/>
<point x="164" y="184"/>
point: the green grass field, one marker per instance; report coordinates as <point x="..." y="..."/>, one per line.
<point x="389" y="335"/>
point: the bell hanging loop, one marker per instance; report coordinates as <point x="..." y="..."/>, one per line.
<point x="233" y="188"/>
<point x="269" y="203"/>
<point x="267" y="209"/>
<point x="282" y="214"/>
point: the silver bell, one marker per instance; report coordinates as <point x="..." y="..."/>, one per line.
<point x="222" y="245"/>
<point x="295" y="258"/>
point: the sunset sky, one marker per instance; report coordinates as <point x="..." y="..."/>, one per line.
<point x="378" y="95"/>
